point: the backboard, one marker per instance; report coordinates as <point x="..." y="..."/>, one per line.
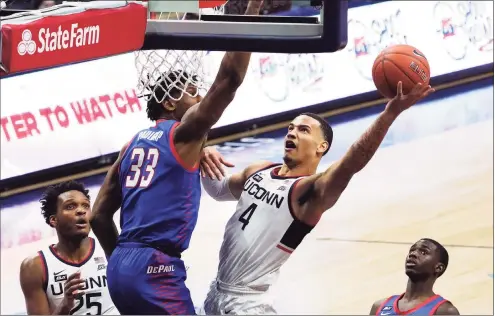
<point x="284" y="26"/>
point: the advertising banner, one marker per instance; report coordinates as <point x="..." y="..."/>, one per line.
<point x="71" y="33"/>
<point x="24" y="231"/>
<point x="81" y="111"/>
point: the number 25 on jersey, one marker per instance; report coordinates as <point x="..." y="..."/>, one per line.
<point x="90" y="304"/>
<point x="143" y="166"/>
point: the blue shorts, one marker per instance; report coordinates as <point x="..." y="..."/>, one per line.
<point x="145" y="281"/>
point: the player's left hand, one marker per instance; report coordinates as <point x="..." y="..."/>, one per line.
<point x="212" y="163"/>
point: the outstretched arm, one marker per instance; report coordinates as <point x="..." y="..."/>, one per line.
<point x="106" y="204"/>
<point x="229" y="77"/>
<point x="219" y="186"/>
<point x="230" y="188"/>
<point x="199" y="119"/>
<point x="322" y="191"/>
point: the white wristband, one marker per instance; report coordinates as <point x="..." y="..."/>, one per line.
<point x="218" y="189"/>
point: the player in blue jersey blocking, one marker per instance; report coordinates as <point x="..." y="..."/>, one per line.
<point x="427" y="260"/>
<point x="156" y="184"/>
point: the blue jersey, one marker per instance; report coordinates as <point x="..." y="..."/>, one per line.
<point x="428" y="307"/>
<point x="160" y="197"/>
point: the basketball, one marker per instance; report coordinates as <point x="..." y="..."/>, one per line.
<point x="400" y="63"/>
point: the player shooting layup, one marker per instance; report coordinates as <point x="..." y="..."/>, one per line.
<point x="279" y="205"/>
<point x="155" y="181"/>
<point x="68" y="278"/>
<point x="426" y="262"/>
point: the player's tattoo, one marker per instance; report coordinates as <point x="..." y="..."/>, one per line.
<point x="365" y="147"/>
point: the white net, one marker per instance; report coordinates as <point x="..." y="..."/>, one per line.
<point x="167" y="73"/>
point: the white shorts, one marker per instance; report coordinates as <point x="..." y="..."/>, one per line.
<point x="222" y="301"/>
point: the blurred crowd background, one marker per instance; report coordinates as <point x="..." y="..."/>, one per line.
<point x="270" y="6"/>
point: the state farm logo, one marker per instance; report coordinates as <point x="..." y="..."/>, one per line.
<point x="58" y="38"/>
<point x="27" y="45"/>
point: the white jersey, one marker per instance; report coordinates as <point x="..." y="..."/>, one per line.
<point x="96" y="300"/>
<point x="262" y="233"/>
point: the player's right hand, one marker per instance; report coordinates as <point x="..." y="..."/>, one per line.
<point x="73" y="289"/>
<point x="402" y="102"/>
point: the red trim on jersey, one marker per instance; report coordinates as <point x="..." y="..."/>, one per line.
<point x="159" y="121"/>
<point x="434" y="309"/>
<point x="44" y="267"/>
<point x="75" y="263"/>
<point x="281" y="247"/>
<point x="291" y="208"/>
<point x="275" y="175"/>
<point x="124" y="152"/>
<point x="412" y="310"/>
<point x="176" y="154"/>
<point x="271" y="165"/>
<point x="291" y="191"/>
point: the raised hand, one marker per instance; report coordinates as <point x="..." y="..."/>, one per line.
<point x="73" y="289"/>
<point x="212" y="163"/>
<point x="254" y="7"/>
<point x="402" y="101"/>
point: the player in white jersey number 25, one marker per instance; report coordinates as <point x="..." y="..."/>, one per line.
<point x="280" y="204"/>
<point x="68" y="278"/>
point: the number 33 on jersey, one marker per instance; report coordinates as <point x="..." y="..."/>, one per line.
<point x="139" y="176"/>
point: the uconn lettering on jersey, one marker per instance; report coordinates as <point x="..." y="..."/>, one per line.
<point x="89" y="284"/>
<point x="253" y="188"/>
<point x="150" y="135"/>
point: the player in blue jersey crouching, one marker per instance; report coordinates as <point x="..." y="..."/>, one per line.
<point x="427" y="260"/>
<point x="156" y="184"/>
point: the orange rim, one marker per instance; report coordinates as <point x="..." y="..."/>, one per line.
<point x="210" y="3"/>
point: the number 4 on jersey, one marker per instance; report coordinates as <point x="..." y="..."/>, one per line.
<point x="246" y="215"/>
<point x="135" y="178"/>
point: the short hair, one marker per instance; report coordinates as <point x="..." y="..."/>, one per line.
<point x="49" y="198"/>
<point x="325" y="128"/>
<point x="443" y="254"/>
<point x="158" y="91"/>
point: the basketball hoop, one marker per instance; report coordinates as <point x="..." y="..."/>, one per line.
<point x="167" y="73"/>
